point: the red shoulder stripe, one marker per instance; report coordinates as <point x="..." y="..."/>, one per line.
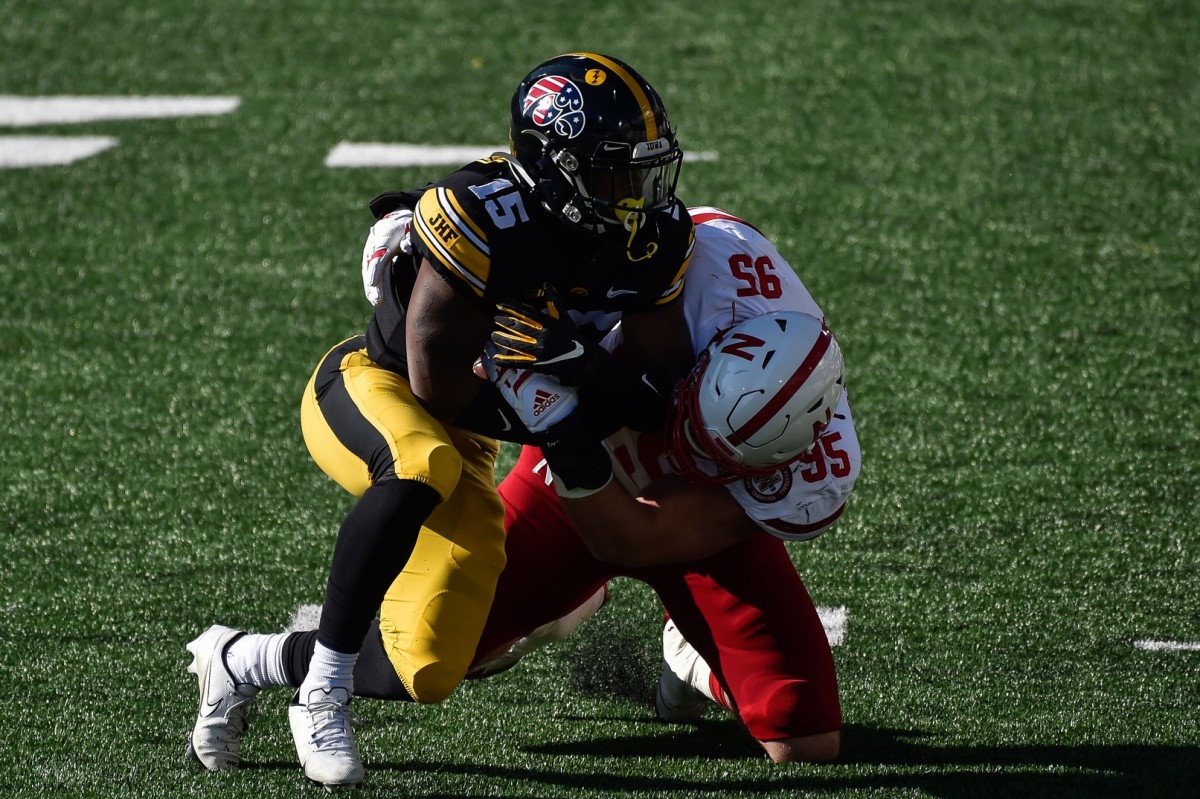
<point x="709" y="216"/>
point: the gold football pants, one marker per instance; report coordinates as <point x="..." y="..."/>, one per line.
<point x="363" y="424"/>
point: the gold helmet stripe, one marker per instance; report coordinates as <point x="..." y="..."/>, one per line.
<point x="642" y="100"/>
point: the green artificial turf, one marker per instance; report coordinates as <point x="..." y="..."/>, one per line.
<point x="995" y="204"/>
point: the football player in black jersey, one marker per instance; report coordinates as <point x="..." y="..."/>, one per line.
<point x="585" y="202"/>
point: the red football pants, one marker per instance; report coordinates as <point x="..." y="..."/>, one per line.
<point x="745" y="610"/>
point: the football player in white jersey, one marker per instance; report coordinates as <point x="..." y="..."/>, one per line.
<point x="760" y="447"/>
<point x="760" y="440"/>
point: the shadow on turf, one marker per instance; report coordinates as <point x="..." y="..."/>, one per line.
<point x="969" y="772"/>
<point x="1134" y="770"/>
<point x="966" y="772"/>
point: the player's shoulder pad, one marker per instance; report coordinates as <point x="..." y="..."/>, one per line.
<point x="383" y="204"/>
<point x="450" y="231"/>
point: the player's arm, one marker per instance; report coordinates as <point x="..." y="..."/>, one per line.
<point x="673" y="521"/>
<point x="444" y="331"/>
<point x="659" y="339"/>
<point x="619" y="393"/>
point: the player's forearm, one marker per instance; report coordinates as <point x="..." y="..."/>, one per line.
<point x="677" y="523"/>
<point x="618" y="529"/>
<point x="660" y="339"/>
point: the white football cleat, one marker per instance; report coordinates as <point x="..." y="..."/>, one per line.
<point x="324" y="741"/>
<point x="226" y="707"/>
<point x="676" y="700"/>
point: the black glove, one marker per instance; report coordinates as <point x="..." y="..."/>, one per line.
<point x="527" y="337"/>
<point x="577" y="459"/>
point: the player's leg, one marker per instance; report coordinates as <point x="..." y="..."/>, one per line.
<point x="367" y="431"/>
<point x="551" y="583"/>
<point x="751" y="640"/>
<point x="433" y="613"/>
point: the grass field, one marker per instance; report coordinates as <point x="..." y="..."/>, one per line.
<point x="997" y="204"/>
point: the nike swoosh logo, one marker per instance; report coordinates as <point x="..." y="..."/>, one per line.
<point x="566" y="356"/>
<point x="618" y="292"/>
<point x="648" y="383"/>
<point x="209" y="708"/>
<point x="504" y="421"/>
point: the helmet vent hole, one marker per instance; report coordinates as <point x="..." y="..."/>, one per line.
<point x="782" y="325"/>
<point x="815" y="406"/>
<point x="767" y="359"/>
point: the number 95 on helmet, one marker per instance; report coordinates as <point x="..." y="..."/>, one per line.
<point x="592" y="140"/>
<point x="757" y="399"/>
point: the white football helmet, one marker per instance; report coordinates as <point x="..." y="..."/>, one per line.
<point x="757" y="399"/>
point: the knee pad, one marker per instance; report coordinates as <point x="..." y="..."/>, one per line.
<point x="435" y="682"/>
<point x="437" y="463"/>
<point x="791" y="709"/>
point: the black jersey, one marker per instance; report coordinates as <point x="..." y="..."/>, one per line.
<point x="490" y="240"/>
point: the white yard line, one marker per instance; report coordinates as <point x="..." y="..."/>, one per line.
<point x="834" y="622"/>
<point x="18" y="112"/>
<point x="29" y="151"/>
<point x="306" y="617"/>
<point x="1168" y="646"/>
<point x="383" y="154"/>
<point x="32" y="151"/>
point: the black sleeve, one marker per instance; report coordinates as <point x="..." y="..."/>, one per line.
<point x="489" y="415"/>
<point x="624" y="395"/>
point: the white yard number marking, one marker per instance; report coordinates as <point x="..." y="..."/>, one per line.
<point x="32" y="151"/>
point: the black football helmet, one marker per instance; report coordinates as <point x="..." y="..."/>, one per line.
<point x="591" y="139"/>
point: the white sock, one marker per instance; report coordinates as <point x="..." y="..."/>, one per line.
<point x="561" y="627"/>
<point x="257" y="660"/>
<point x="327" y="670"/>
<point x="686" y="662"/>
<point x="701" y="678"/>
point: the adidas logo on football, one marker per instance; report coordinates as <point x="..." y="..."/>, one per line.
<point x="542" y="400"/>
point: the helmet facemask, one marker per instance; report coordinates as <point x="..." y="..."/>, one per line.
<point x="606" y="195"/>
<point x="621" y="185"/>
<point x="686" y="450"/>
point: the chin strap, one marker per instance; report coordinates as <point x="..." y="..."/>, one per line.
<point x="630" y="216"/>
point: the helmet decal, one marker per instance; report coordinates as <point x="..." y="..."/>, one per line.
<point x="770" y="488"/>
<point x="634" y="84"/>
<point x="786" y="391"/>
<point x="556" y="101"/>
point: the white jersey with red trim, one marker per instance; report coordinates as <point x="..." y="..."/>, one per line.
<point x="737" y="274"/>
